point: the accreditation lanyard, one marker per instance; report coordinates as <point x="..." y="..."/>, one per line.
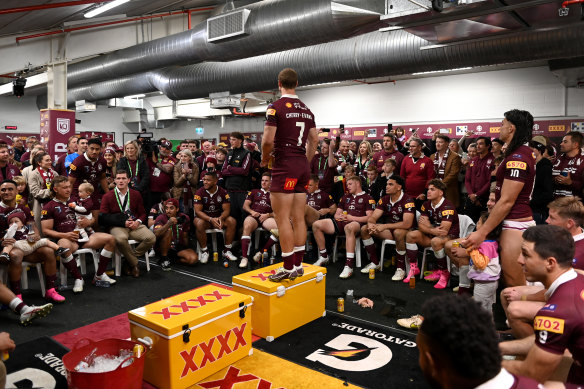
<point x="137" y="167"/>
<point x="325" y="163"/>
<point x="126" y="200"/>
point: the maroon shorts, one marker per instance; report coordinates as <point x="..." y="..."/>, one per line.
<point x="290" y="176"/>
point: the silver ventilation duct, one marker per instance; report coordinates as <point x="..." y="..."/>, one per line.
<point x="273" y="25"/>
<point x="375" y="54"/>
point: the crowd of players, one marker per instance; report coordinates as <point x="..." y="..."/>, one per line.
<point x="416" y="194"/>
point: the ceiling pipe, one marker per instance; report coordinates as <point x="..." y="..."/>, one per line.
<point x="272" y="25"/>
<point x="50" y="6"/>
<point x="376" y="54"/>
<point x="86" y="27"/>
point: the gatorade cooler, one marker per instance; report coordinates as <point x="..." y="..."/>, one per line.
<point x="280" y="307"/>
<point x="194" y="334"/>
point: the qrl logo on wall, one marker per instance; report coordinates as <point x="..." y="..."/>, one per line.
<point x="63" y="125"/>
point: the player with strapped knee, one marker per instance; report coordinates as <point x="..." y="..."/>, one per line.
<point x="393" y="217"/>
<point x="290" y="133"/>
<point x="437" y="225"/>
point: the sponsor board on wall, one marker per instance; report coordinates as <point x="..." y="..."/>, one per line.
<point x="577" y="126"/>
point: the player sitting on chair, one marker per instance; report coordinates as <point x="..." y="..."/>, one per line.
<point x="437" y="225"/>
<point x="354" y="210"/>
<point x="258" y="206"/>
<point x="399" y="212"/>
<point x="212" y="209"/>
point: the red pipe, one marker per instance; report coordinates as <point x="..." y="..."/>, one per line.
<point x="7" y="76"/>
<point x="48" y="6"/>
<point x="235" y="112"/>
<point x="568" y="2"/>
<point x="55" y="32"/>
<point x="189" y="13"/>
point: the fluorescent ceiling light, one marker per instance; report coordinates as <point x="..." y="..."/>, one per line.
<point x="104" y="8"/>
<point x="138" y="96"/>
<point x="442" y="71"/>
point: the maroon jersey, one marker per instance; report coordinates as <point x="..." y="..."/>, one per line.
<point x="64" y="219"/>
<point x="86" y="203"/>
<point x="444" y="211"/>
<point x="381" y="156"/>
<point x="319" y="200"/>
<point x="394" y="212"/>
<point x="9" y="172"/>
<point x="176" y="230"/>
<point x="519" y="166"/>
<point x="260" y="201"/>
<point x="578" y="262"/>
<point x="292" y="120"/>
<point x="159" y="180"/>
<point x="212" y="203"/>
<point x="357" y="205"/>
<point x="83" y="169"/>
<point x="559" y="325"/>
<point x="6" y="212"/>
<point x="416" y="173"/>
<point x="478" y="175"/>
<point x="575" y="167"/>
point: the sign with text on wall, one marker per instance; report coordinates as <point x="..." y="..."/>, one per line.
<point x="57" y="125"/>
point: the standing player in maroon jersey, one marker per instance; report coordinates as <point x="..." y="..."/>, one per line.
<point x="515" y="179"/>
<point x="289" y="128"/>
<point x="569" y="167"/>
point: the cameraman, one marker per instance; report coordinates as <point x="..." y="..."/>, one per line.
<point x="172" y="234"/>
<point x="161" y="164"/>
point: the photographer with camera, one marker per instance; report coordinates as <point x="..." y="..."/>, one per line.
<point x="161" y="164"/>
<point x="134" y="163"/>
<point x="172" y="234"/>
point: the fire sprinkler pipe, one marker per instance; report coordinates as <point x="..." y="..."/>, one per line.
<point x="568" y="2"/>
<point x="62" y="31"/>
<point x="49" y="6"/>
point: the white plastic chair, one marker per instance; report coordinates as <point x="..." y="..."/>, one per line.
<point x="24" y="277"/>
<point x="81" y="262"/>
<point x="258" y="233"/>
<point x="118" y="258"/>
<point x="213" y="232"/>
<point x="357" y="249"/>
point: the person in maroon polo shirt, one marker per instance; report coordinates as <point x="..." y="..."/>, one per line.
<point x="212" y="208"/>
<point x="388" y="151"/>
<point x="7" y="170"/>
<point x="451" y="353"/>
<point x="59" y="221"/>
<point x="478" y="179"/>
<point x="172" y="233"/>
<point x="546" y="256"/>
<point x="161" y="170"/>
<point x="354" y="210"/>
<point x="122" y="209"/>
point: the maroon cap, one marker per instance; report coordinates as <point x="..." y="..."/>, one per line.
<point x="173" y="202"/>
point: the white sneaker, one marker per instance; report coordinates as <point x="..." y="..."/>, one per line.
<point x="243" y="263"/>
<point x="370" y="266"/>
<point x="413" y="322"/>
<point x="32" y="312"/>
<point x="321" y="261"/>
<point x="347" y="272"/>
<point x="399" y="275"/>
<point x="229" y="255"/>
<point x="258" y="257"/>
<point x="204" y="258"/>
<point x="455" y="289"/>
<point x="106" y="278"/>
<point x="78" y="286"/>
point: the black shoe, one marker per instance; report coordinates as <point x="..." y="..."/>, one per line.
<point x="165" y="264"/>
<point x="61" y="251"/>
<point x="4" y="257"/>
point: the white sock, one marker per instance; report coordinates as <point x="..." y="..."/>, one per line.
<point x="439" y="254"/>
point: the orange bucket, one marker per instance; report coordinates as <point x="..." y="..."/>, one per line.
<point x="129" y="377"/>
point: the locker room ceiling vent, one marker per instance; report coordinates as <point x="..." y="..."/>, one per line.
<point x="227" y="25"/>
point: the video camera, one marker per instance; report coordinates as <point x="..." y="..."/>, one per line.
<point x="148" y="145"/>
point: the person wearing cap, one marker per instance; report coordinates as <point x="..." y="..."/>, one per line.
<point x="543" y="189"/>
<point x="172" y="236"/>
<point x="161" y="170"/>
<point x="568" y="168"/>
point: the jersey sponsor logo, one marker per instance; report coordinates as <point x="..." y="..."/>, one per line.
<point x="422" y="165"/>
<point x="549" y="307"/>
<point x="44" y="212"/>
<point x="448" y="212"/>
<point x="423" y="208"/>
<point x="270" y="112"/>
<point x="581" y="293"/>
<point x="72" y="167"/>
<point x="371" y="201"/>
<point x="226" y="197"/>
<point x="290" y="183"/>
<point x="380" y="202"/>
<point x="410" y="205"/>
<point x="516" y="165"/>
<point x="550" y="324"/>
<point x="197" y="198"/>
<point x="288" y="105"/>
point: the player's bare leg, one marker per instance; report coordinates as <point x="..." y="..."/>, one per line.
<point x="282" y="205"/>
